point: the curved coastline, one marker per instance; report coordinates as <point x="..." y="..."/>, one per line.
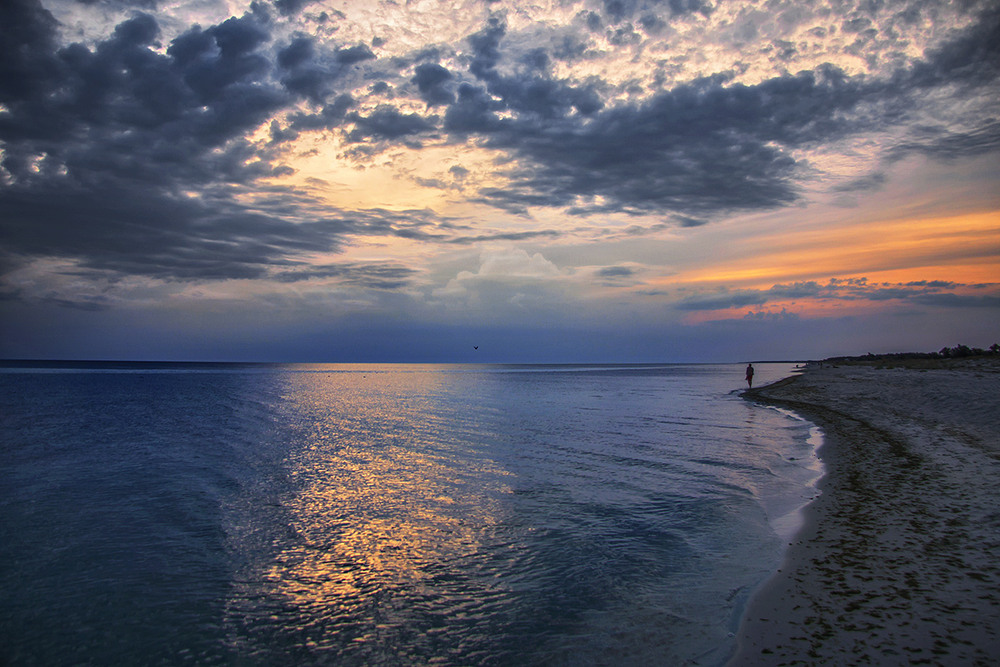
<point x="897" y="559"/>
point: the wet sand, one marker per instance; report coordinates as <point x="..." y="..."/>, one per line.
<point x="898" y="562"/>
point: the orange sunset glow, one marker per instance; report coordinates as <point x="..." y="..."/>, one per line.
<point x="963" y="249"/>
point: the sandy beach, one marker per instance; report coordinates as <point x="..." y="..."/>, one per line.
<point x="898" y="562"/>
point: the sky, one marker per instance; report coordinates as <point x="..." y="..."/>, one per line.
<point x="497" y="181"/>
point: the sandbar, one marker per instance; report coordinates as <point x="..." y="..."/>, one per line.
<point x="898" y="559"/>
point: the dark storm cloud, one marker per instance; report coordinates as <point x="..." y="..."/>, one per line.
<point x="706" y="146"/>
<point x="709" y="146"/>
<point x="531" y="94"/>
<point x="27" y="49"/>
<point x="303" y="75"/>
<point x="299" y="51"/>
<point x="377" y="276"/>
<point x="141" y="4"/>
<point x="724" y="299"/>
<point x="486" y="49"/>
<point x="962" y="67"/>
<point x="354" y="54"/>
<point x="943" y="143"/>
<point x="615" y="272"/>
<point x="766" y="316"/>
<point x="872" y="181"/>
<point x="287" y="7"/>
<point x="124" y="112"/>
<point x="104" y="147"/>
<point x="696" y="149"/>
<point x="505" y="236"/>
<point x="145" y="232"/>
<point x="687" y="221"/>
<point x="933" y="293"/>
<point x="387" y="122"/>
<point x="332" y="115"/>
<point x="474" y="112"/>
<point x="433" y="81"/>
<point x="623" y="10"/>
<point x="971" y="58"/>
<point x="311" y="74"/>
<point x="949" y="300"/>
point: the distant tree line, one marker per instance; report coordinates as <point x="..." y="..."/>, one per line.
<point x="966" y="351"/>
<point x="957" y="352"/>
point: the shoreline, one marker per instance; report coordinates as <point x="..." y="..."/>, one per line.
<point x="898" y="559"/>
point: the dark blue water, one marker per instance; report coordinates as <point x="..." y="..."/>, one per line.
<point x="393" y="515"/>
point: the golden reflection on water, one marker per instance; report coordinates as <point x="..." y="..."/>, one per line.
<point x="392" y="488"/>
<point x="381" y="526"/>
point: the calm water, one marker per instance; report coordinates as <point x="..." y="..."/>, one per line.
<point x="388" y="515"/>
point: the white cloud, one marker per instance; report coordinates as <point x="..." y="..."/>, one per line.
<point x="502" y="269"/>
<point x="515" y="263"/>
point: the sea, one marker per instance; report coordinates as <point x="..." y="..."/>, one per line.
<point x="366" y="514"/>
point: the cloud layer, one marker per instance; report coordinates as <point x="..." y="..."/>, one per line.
<point x="170" y="146"/>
